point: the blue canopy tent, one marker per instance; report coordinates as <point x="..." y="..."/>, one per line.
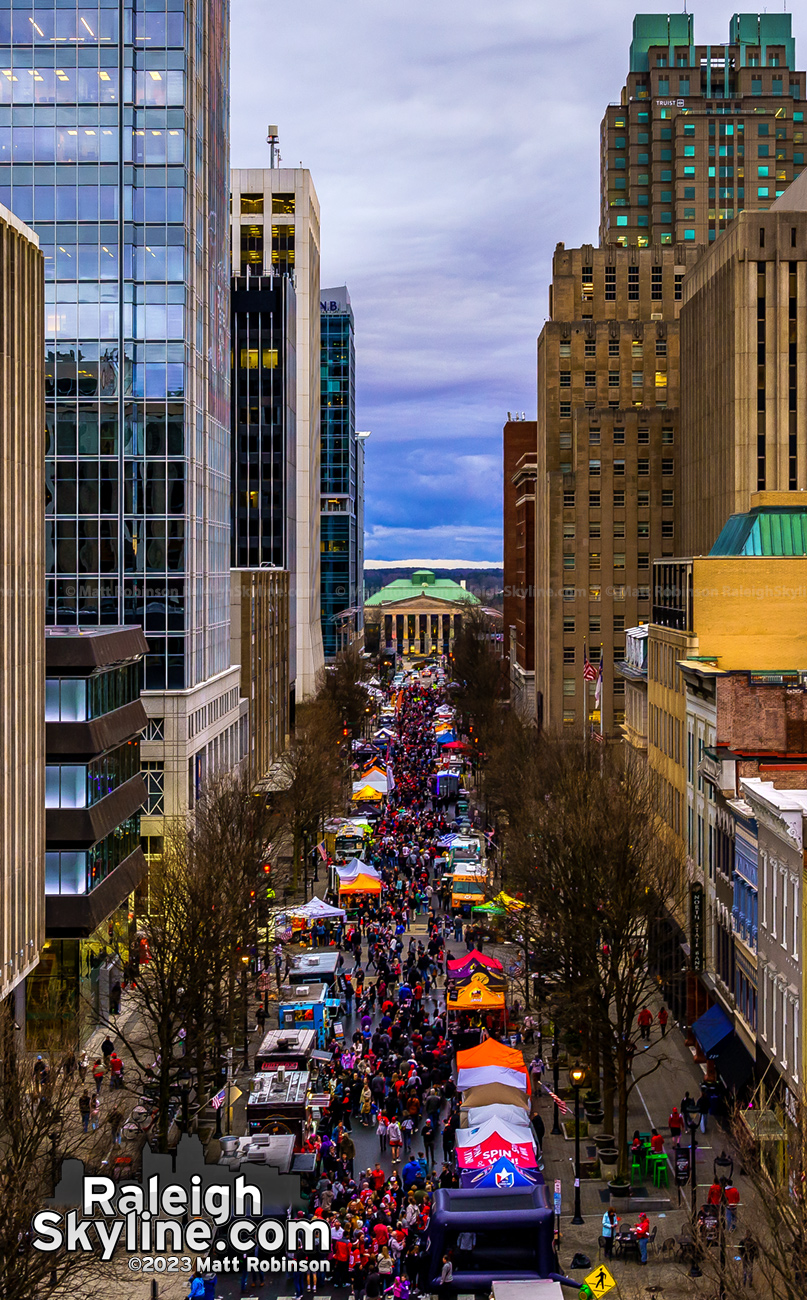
<point x="504" y="1175"/>
<point x="711" y="1030"/>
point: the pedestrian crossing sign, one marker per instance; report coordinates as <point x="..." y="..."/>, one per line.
<point x="597" y="1283"/>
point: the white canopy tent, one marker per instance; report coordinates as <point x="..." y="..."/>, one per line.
<point x="316" y="909"/>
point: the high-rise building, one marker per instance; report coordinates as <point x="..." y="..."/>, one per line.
<point x="743" y="331"/>
<point x="94" y="789"/>
<point x="263" y="644"/>
<point x="22" y="613"/>
<point x="701" y="132"/>
<point x="114" y="145"/>
<point x="341" y="477"/>
<point x="520" y="470"/>
<point x="607" y="455"/>
<point x="288" y="244"/>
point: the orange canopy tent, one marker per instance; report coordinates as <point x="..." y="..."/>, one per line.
<point x="492" y="1062"/>
<point x="474" y="996"/>
<point x="361" y="885"/>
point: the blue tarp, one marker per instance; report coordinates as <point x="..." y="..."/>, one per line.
<point x="504" y="1175"/>
<point x="711" y="1029"/>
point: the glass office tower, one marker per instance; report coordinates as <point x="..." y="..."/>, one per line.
<point x="114" y="146"/>
<point x="342" y="476"/>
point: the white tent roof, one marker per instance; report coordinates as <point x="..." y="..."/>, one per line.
<point x="375" y="780"/>
<point x="468" y="1137"/>
<point x="317" y="907"/>
<point x="357" y="868"/>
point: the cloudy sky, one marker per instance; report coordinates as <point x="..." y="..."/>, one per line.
<point x="452" y="143"/>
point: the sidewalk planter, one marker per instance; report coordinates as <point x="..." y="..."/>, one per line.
<point x="604" y="1140"/>
<point x="609" y="1156"/>
<point x="568" y="1129"/>
<point x="595" y="1115"/>
<point x="619" y="1187"/>
<point x="589" y="1169"/>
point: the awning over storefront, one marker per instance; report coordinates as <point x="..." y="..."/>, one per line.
<point x="711" y="1030"/>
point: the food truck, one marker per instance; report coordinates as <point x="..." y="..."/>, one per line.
<point x="317" y="967"/>
<point x="289" y="1047"/>
<point x="467" y="889"/>
<point x="310" y="1006"/>
<point x="466" y="851"/>
<point x="277" y="1103"/>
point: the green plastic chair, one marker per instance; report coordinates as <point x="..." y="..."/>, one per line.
<point x="636" y="1169"/>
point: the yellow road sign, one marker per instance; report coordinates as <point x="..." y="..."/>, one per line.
<point x="600" y="1281"/>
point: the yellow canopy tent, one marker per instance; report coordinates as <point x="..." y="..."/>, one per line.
<point x="506" y="900"/>
<point x="361" y="885"/>
<point x="471" y="997"/>
<point x="367" y="795"/>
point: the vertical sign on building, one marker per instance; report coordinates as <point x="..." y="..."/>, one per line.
<point x="696" y="927"/>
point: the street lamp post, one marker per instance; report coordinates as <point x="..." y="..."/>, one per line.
<point x="691" y="1116"/>
<point x="245" y="963"/>
<point x="577" y="1076"/>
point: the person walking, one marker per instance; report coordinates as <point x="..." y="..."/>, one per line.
<point x="382" y="1128"/>
<point x="84" y="1110"/>
<point x="662" y="1018"/>
<point x="115" y="1121"/>
<point x="98" y="1074"/>
<point x="748" y="1253"/>
<point x="644" y="1021"/>
<point x="395" y="1138"/>
<point x="610" y="1222"/>
<point x="675" y="1124"/>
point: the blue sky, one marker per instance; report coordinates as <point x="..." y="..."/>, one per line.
<point x="453" y="144"/>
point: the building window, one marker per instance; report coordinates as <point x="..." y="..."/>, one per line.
<point x="655" y="283"/>
<point x="667" y="467"/>
<point x="643" y="561"/>
<point x="619" y="528"/>
<point x="613" y="347"/>
<point x="633" y="281"/>
<point x="251" y="204"/>
<point x="668" y="497"/>
<point x="637" y="378"/>
<point x="594" y="500"/>
<point x="610" y="283"/>
<point x="565" y="378"/>
<point x="619" y="622"/>
<point x="565" y="410"/>
<point x="619" y="467"/>
<point x="154" y="776"/>
<point x="667" y="528"/>
<point x="619" y="498"/>
<point x="568" y="654"/>
<point x="594" y="467"/>
<point x="569" y="686"/>
<point x="595" y="593"/>
<point x="594" y="530"/>
<point x="568" y="561"/>
<point x="643" y="467"/>
<point x="591" y="378"/>
<point x="568" y="625"/>
<point x="643" y="498"/>
<point x="619" y="559"/>
<point x="619" y="436"/>
<point x="594" y="559"/>
<point x="594" y="625"/>
<point x="155" y="728"/>
<point x="568" y="500"/>
<point x="679" y="287"/>
<point x="568" y="715"/>
<point x="568" y="593"/>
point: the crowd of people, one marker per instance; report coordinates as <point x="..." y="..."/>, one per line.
<point x="392" y="1072"/>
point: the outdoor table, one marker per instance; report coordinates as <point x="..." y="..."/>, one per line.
<point x="626" y="1241"/>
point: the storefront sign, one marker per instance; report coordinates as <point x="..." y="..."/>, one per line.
<point x="696" y="927"/>
<point x="681" y="1166"/>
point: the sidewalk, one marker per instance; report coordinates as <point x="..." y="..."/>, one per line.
<point x="650" y="1104"/>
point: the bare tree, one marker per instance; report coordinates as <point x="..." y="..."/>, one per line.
<point x="342" y="684"/>
<point x="312" y="776"/>
<point x="41" y="1126"/>
<point x="479" y="669"/>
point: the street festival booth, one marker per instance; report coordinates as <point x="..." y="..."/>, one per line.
<point x="367" y="794"/>
<point x="492" y="1062"/>
<point x="479" y="1148"/>
<point x="310" y="1006"/>
<point x="309" y="914"/>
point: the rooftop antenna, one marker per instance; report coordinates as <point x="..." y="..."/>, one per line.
<point x="272" y="139"/>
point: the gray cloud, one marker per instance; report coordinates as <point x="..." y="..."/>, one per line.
<point x="452" y="144"/>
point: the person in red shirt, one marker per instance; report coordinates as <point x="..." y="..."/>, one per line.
<point x="732" y="1198"/>
<point x="715" y="1193"/>
<point x="675" y="1123"/>
<point x="644" y="1021"/>
<point x="662" y="1018"/>
<point x="656" y="1143"/>
<point x="641" y="1232"/>
<point x="381" y="1234"/>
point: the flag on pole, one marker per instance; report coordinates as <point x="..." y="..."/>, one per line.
<point x="559" y="1102"/>
<point x="598" y="687"/>
<point x="589" y="671"/>
<point x="218" y="1101"/>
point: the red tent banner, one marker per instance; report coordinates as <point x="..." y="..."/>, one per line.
<point x="486" y="1153"/>
<point x="475" y="956"/>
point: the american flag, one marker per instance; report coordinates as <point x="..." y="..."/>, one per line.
<point x="589" y="671"/>
<point x="598" y="690"/>
<point x="286" y="936"/>
<point x="218" y="1101"/>
<point x="559" y="1102"/>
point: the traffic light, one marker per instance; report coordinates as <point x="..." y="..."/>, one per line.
<point x="267" y="868"/>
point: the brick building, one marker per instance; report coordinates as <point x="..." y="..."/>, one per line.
<point x="607" y="449"/>
<point x="519" y="456"/>
<point x="701" y="132"/>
